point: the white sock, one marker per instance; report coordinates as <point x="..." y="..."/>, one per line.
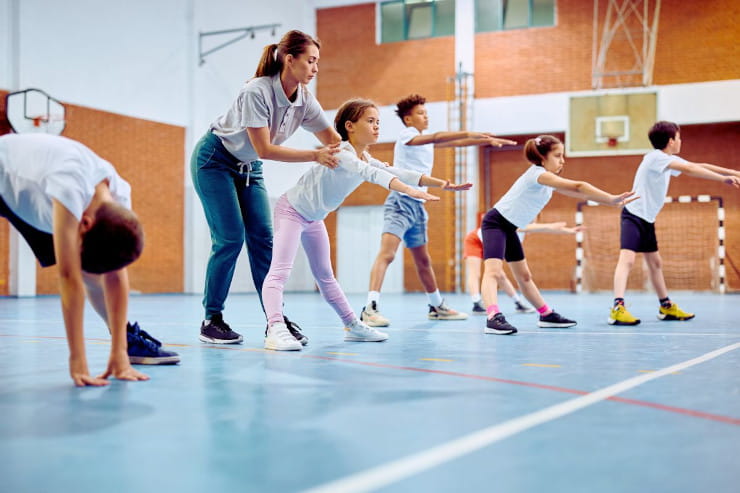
<point x="516" y="298"/>
<point x="372" y="296"/>
<point x="476" y="298"/>
<point x="435" y="299"/>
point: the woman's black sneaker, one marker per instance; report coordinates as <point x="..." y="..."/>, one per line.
<point x="499" y="325"/>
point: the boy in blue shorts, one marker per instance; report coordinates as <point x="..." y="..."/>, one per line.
<point x="638" y="218"/>
<point x="405" y="217"/>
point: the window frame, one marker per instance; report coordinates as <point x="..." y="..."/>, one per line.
<point x="408" y="6"/>
<point x="502" y="17"/>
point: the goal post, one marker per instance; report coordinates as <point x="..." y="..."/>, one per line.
<point x="691" y="238"/>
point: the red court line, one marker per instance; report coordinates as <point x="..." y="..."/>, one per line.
<point x="635" y="402"/>
<point x="623" y="400"/>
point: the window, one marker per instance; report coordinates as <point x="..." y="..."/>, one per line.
<point x="416" y="19"/>
<point x="497" y="15"/>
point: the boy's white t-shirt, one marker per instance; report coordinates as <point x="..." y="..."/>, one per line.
<point x="651" y="184"/>
<point x="525" y="199"/>
<point x="36" y="168"/>
<point x="419" y="158"/>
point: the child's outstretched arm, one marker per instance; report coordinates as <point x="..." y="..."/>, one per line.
<point x="584" y="190"/>
<point x="430" y="181"/>
<point x="483" y="139"/>
<point x="66" y="233"/>
<point x="708" y="172"/>
<point x="400" y="186"/>
<point x="459" y="139"/>
<point x="559" y="227"/>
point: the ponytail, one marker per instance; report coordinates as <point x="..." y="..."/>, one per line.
<point x="273" y="56"/>
<point x="537" y="149"/>
<point x="269" y="64"/>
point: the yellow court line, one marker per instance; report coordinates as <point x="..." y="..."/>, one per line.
<point x="540" y="366"/>
<point x="342" y="354"/>
<point x="437" y="359"/>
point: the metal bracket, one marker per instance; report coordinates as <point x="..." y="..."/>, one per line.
<point x="241" y="33"/>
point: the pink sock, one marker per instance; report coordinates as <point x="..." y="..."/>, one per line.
<point x="544" y="310"/>
<point x="492" y="310"/>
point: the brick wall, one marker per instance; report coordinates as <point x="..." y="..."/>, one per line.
<point x="150" y="156"/>
<point x="352" y="64"/>
<point x="697" y="42"/>
<point x="4" y="225"/>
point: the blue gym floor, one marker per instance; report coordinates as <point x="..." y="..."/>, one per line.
<point x="439" y="407"/>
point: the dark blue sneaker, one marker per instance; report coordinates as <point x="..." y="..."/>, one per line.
<point x="144" y="349"/>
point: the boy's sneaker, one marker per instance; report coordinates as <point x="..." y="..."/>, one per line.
<point x="372" y="317"/>
<point x="361" y="332"/>
<point x="673" y="312"/>
<point x="499" y="325"/>
<point x="295" y="331"/>
<point x="144" y="349"/>
<point x="620" y="316"/>
<point x="216" y="331"/>
<point x="279" y="338"/>
<point x="444" y="312"/>
<point x="522" y="308"/>
<point x="478" y="308"/>
<point x="555" y="321"/>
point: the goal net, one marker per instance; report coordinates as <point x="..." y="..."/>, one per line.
<point x="690" y="232"/>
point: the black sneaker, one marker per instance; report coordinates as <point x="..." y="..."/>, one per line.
<point x="499" y="325"/>
<point x="478" y="309"/>
<point x="554" y="321"/>
<point x="144" y="349"/>
<point x="295" y="331"/>
<point x="216" y="331"/>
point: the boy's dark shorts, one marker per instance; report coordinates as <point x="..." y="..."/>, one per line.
<point x="41" y="243"/>
<point x="637" y="234"/>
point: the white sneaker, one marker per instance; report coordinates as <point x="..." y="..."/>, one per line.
<point x="372" y="317"/>
<point x="279" y="338"/>
<point x="360" y="332"/>
<point x="444" y="312"/>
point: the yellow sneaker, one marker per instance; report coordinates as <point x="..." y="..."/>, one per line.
<point x="673" y="312"/>
<point x="620" y="316"/>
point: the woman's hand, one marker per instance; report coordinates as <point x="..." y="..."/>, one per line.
<point x="325" y="156"/>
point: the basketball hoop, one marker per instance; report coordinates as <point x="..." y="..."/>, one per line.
<point x="612" y="141"/>
<point x="34" y="111"/>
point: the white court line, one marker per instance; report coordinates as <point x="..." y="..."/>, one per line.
<point x="392" y="472"/>
<point x="579" y="331"/>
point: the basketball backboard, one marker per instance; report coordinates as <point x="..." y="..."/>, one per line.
<point x="610" y="124"/>
<point x="34" y="111"/>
